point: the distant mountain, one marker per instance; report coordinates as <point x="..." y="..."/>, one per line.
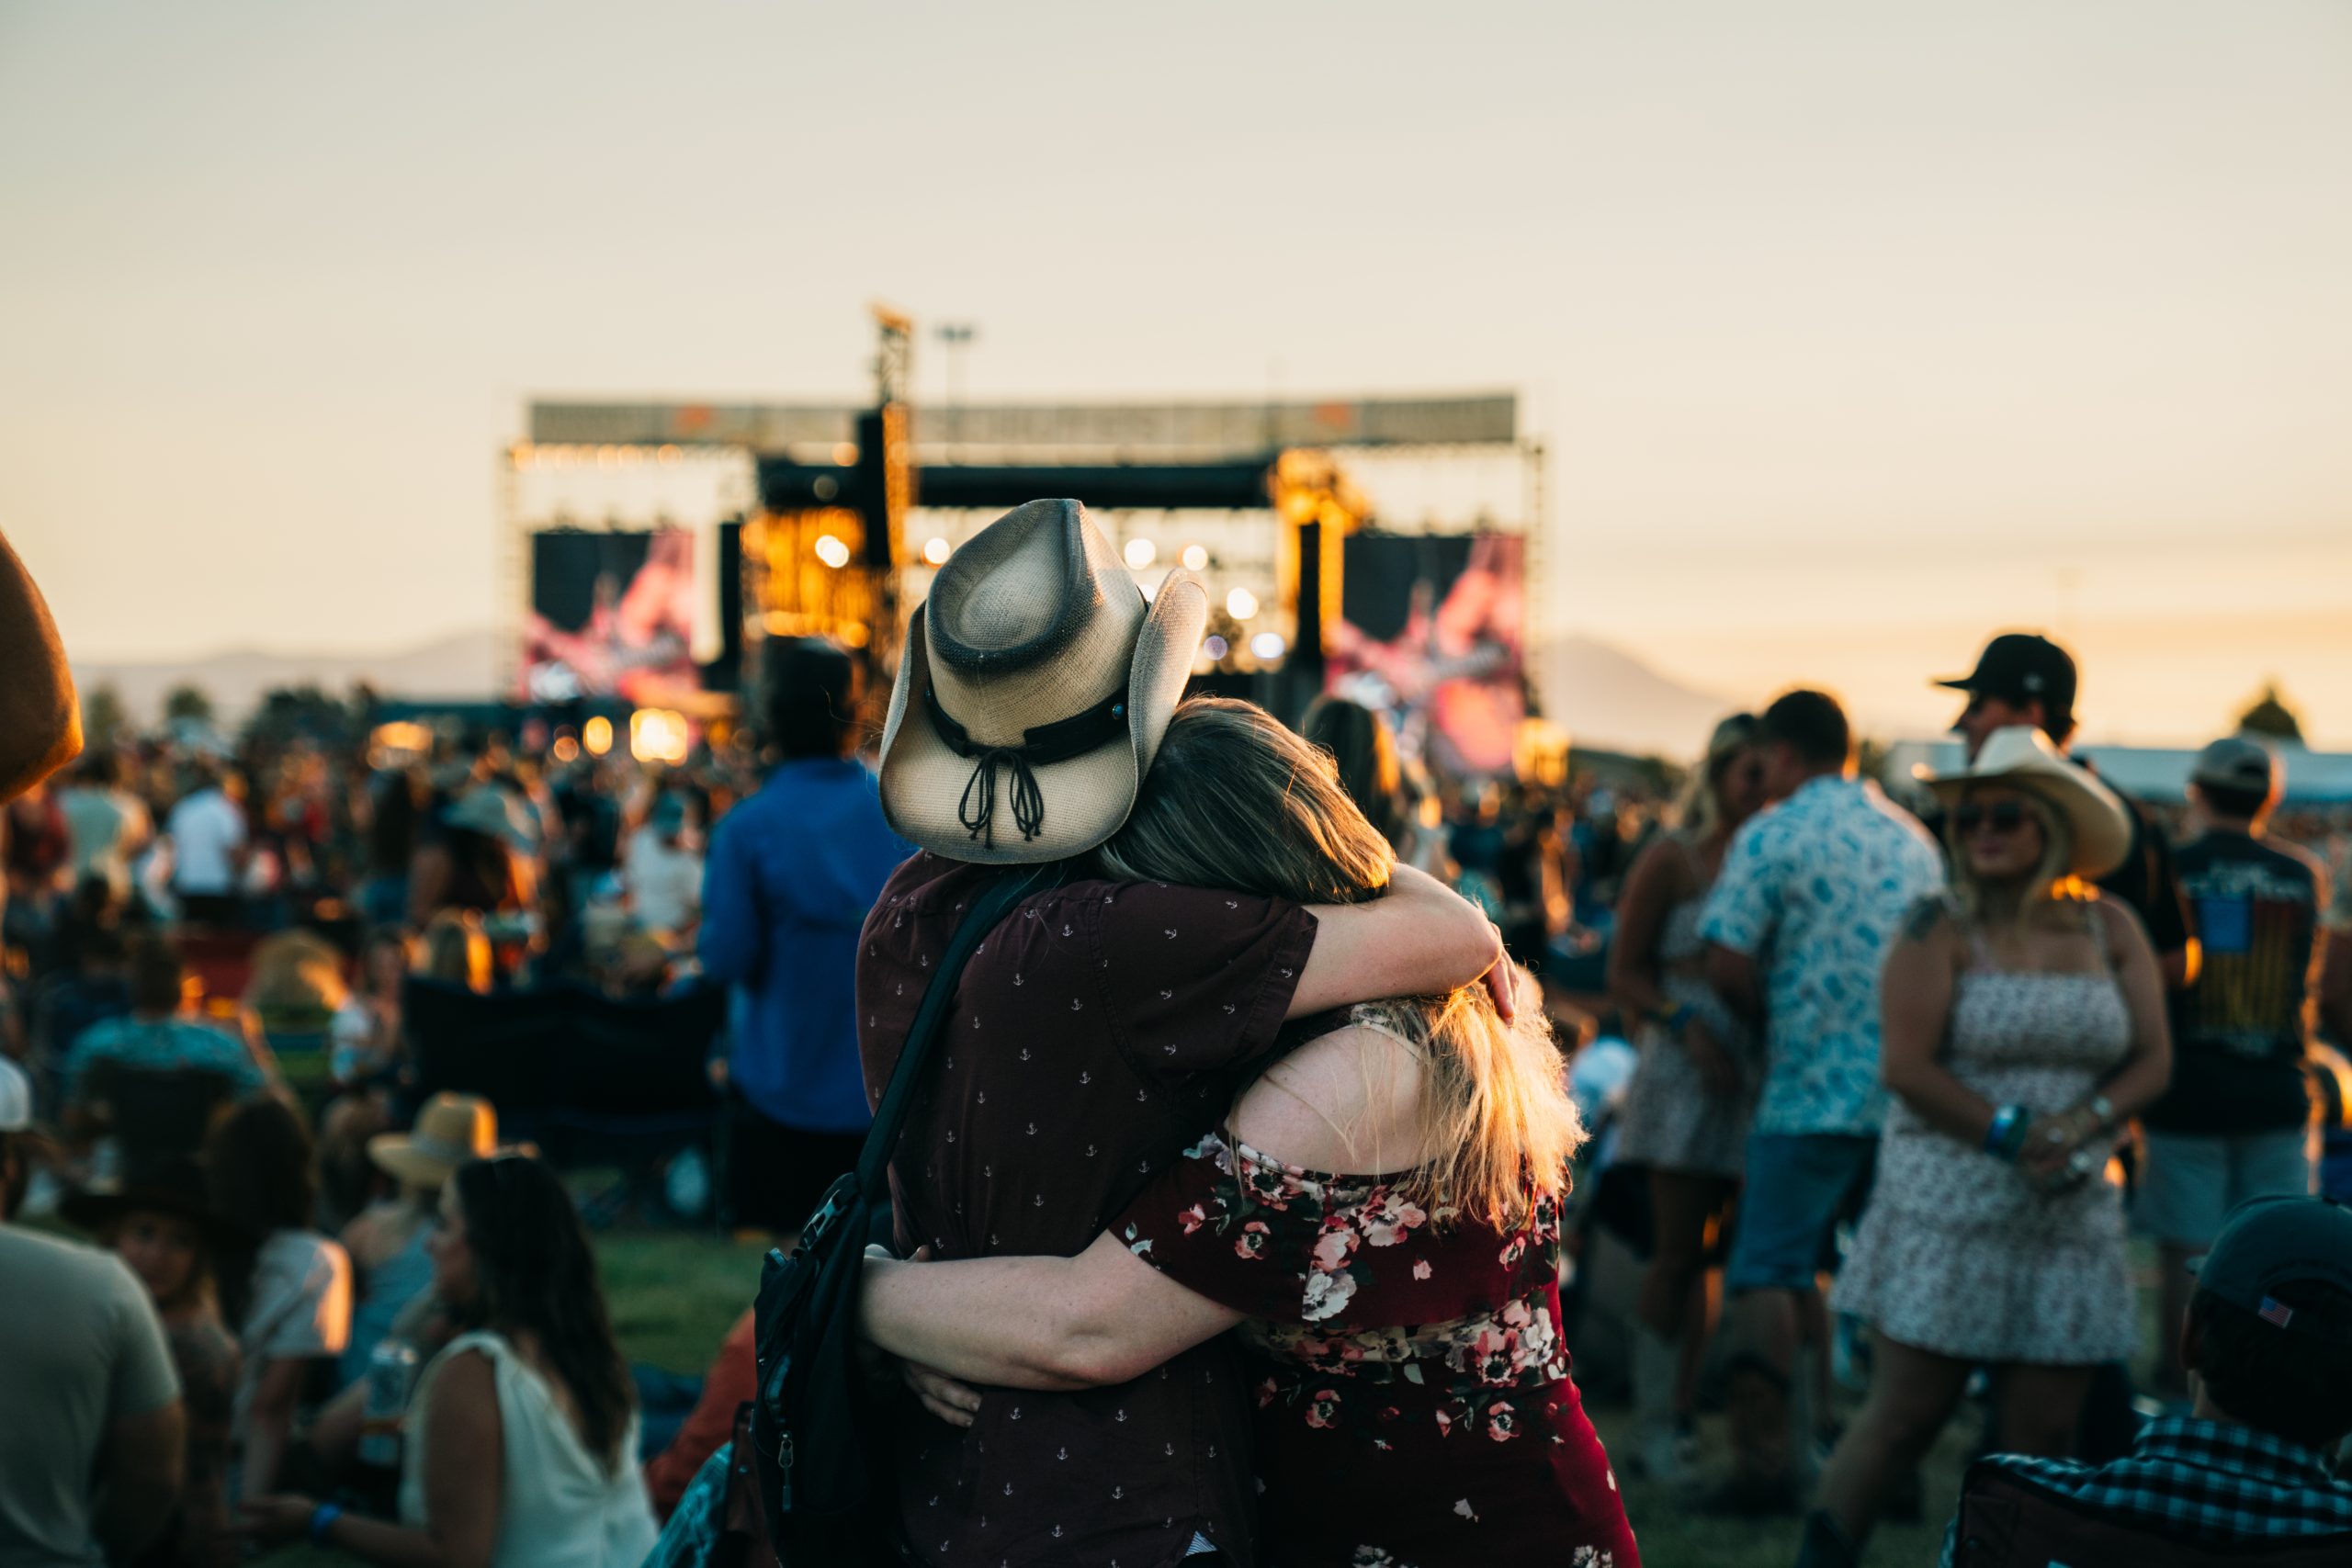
<point x="462" y="665"/>
<point x="1607" y="697"/>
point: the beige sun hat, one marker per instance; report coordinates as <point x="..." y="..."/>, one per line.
<point x="1035" y="689"/>
<point x="450" y="1130"/>
<point x="2023" y="758"/>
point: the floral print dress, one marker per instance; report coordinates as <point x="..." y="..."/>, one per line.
<point x="1414" y="1407"/>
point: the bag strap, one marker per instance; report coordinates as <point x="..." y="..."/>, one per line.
<point x="890" y="1117"/>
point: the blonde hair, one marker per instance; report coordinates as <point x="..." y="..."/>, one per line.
<point x="1698" y="811"/>
<point x="297" y="980"/>
<point x="1235" y="800"/>
<point x="2052" y="878"/>
<point x="456" y="948"/>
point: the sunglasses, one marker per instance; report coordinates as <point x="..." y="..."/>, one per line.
<point x="2003" y="817"/>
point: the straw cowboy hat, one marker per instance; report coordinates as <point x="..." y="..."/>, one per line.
<point x="2022" y="757"/>
<point x="449" y="1131"/>
<point x="1036" y="685"/>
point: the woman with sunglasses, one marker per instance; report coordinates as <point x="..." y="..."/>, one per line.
<point x="2024" y="1024"/>
<point x="1685" y="1116"/>
<point x="521" y="1436"/>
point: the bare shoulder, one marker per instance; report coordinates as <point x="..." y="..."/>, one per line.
<point x="2118" y="924"/>
<point x="1338" y="1100"/>
<point x="1933" y="921"/>
<point x="466" y="1375"/>
<point x="1668" y="857"/>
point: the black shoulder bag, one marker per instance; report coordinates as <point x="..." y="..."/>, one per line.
<point x="821" y="1445"/>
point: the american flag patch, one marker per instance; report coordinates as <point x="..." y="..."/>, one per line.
<point x="2275" y="1314"/>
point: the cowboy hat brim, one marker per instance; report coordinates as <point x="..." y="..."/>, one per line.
<point x="2100" y="822"/>
<point x="1087" y="797"/>
<point x="95" y="1211"/>
<point x="398" y="1156"/>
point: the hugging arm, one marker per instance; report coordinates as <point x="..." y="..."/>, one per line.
<point x="1105" y="1316"/>
<point x="1420" y="938"/>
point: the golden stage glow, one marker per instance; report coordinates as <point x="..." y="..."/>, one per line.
<point x="658" y="734"/>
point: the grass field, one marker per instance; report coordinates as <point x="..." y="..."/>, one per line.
<point x="673" y="1294"/>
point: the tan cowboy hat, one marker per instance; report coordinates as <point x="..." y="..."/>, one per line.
<point x="1035" y="689"/>
<point x="449" y="1131"/>
<point x="2023" y="757"/>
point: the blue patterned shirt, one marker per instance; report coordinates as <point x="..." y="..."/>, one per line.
<point x="162" y="1044"/>
<point x="2210" y="1482"/>
<point x="1815" y="890"/>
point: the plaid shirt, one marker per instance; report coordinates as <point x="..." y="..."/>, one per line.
<point x="2206" y="1481"/>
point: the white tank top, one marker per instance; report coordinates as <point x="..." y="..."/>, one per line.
<point x="559" y="1507"/>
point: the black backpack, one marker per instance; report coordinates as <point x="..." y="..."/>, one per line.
<point x="820" y="1437"/>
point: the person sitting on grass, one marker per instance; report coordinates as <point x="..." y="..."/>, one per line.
<point x="284" y="1287"/>
<point x="390" y="1242"/>
<point x="160" y="1221"/>
<point x="157" y="1035"/>
<point x="2267" y="1343"/>
<point x="520" y="1442"/>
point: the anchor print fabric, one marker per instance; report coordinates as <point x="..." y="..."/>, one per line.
<point x="1097" y="1033"/>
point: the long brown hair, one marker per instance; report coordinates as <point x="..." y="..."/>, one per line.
<point x="537" y="1275"/>
<point x="1235" y="800"/>
<point x="258" y="1160"/>
<point x="1365" y="753"/>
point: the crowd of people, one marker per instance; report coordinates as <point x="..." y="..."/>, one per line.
<point x="1233" y="1219"/>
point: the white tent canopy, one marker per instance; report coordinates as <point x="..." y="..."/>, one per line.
<point x="2160" y="774"/>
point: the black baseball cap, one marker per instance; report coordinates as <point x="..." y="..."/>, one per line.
<point x="2269" y="1242"/>
<point x="2019" y="667"/>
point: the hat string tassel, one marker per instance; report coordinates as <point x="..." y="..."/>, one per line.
<point x="977" y="809"/>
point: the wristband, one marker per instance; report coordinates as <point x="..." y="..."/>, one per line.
<point x="322" y="1518"/>
<point x="2007" y="1130"/>
<point x="1997" y="1129"/>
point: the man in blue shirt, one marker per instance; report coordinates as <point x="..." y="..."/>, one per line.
<point x="155" y="1036"/>
<point x="1798" y="924"/>
<point x="792" y="873"/>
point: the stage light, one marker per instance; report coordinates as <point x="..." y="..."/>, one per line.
<point x="1215" y="647"/>
<point x="565" y="749"/>
<point x="597" y="735"/>
<point x="656" y="735"/>
<point x="1196" y="557"/>
<point x="1140" y="553"/>
<point x="832" y="551"/>
<point x="1269" y="646"/>
<point x="1241" y="604"/>
<point x="936" y="551"/>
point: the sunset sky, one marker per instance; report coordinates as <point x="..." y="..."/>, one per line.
<point x="1857" y="331"/>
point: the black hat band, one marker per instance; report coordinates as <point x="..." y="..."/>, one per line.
<point x="1047" y="743"/>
